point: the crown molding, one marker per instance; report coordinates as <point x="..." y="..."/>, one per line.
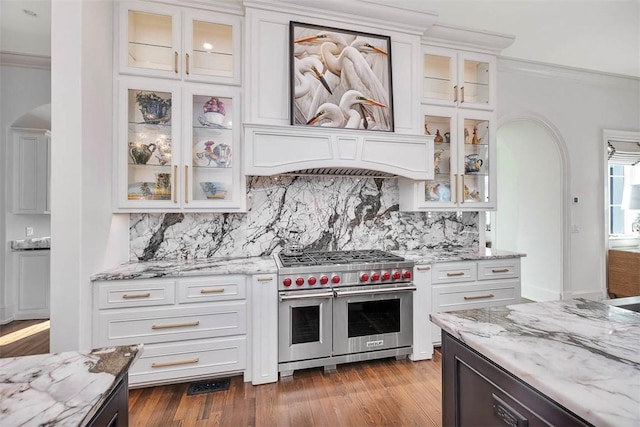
<point x="553" y="71"/>
<point x="25" y="60"/>
<point x="455" y="37"/>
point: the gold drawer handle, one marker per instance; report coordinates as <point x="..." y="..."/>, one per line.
<point x="423" y="268"/>
<point x="212" y="291"/>
<point x="176" y="325"/>
<point x="177" y="362"/>
<point x="265" y="278"/>
<point x="132" y="296"/>
<point x="175" y="62"/>
<point x="500" y="270"/>
<point x="455" y="274"/>
<point x="479" y="297"/>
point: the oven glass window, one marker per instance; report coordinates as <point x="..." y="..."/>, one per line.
<point x="373" y="317"/>
<point x="305" y="324"/>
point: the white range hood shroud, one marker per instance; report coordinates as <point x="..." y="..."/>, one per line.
<point x="305" y="150"/>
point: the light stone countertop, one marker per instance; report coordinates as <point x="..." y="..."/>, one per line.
<point x="584" y="355"/>
<point x="36" y="243"/>
<point x="65" y="389"/>
<point x="267" y="265"/>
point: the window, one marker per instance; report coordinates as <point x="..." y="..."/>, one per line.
<point x="621" y="177"/>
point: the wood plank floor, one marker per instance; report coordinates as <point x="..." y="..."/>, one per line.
<point x="383" y="392"/>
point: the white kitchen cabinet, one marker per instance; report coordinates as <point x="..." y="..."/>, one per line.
<point x="465" y="285"/>
<point x="30" y="160"/>
<point x="173" y="151"/>
<point x="31" y="270"/>
<point x="464" y="163"/>
<point x="458" y="78"/>
<point x="422" y="342"/>
<point x="190" y="327"/>
<point x="159" y="40"/>
<point x="264" y="329"/>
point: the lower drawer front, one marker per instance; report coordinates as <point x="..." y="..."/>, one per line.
<point x="154" y="325"/>
<point x="448" y="298"/>
<point x="186" y="360"/>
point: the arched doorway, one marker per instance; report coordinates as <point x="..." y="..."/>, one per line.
<point x="532" y="212"/>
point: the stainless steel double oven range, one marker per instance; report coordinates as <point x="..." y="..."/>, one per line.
<point x="343" y="306"/>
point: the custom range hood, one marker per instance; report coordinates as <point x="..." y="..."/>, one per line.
<point x="272" y="146"/>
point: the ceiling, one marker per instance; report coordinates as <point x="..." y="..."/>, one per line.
<point x="602" y="35"/>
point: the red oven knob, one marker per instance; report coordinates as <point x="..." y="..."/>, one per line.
<point x="299" y="281"/>
<point x="375" y="277"/>
<point x="324" y="280"/>
<point x="397" y="275"/>
<point x="335" y="279"/>
<point x="311" y="280"/>
<point x="386" y="275"/>
<point x="286" y="282"/>
<point x="406" y="274"/>
<point x="364" y="277"/>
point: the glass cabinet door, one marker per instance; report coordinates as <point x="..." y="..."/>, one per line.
<point x="210" y="152"/>
<point x="212" y="44"/>
<point x="439" y="77"/>
<point x="149" y="40"/>
<point x="147" y="147"/>
<point x="476" y="76"/>
<point x="476" y="159"/>
<point x="441" y="190"/>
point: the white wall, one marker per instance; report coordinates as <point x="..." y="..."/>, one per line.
<point x="529" y="217"/>
<point x="22" y="90"/>
<point x="85" y="235"/>
<point x="580" y="105"/>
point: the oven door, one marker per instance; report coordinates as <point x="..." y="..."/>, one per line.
<point x="304" y="327"/>
<point x="369" y="318"/>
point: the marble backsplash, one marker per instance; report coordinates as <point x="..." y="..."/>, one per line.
<point x="332" y="213"/>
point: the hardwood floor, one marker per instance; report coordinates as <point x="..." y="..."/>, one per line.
<point x="24" y="337"/>
<point x="383" y="392"/>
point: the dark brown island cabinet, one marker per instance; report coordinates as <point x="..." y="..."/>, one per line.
<point x="477" y="392"/>
<point x="115" y="411"/>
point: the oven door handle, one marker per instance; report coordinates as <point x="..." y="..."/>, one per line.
<point x="289" y="297"/>
<point x="340" y="293"/>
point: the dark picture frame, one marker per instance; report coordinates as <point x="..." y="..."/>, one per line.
<point x="340" y="78"/>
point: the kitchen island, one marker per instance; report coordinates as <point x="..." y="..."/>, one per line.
<point x="574" y="362"/>
<point x="67" y="389"/>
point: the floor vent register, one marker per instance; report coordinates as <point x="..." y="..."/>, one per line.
<point x="208" y="386"/>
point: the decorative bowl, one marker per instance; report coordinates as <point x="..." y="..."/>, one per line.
<point x="213" y="117"/>
<point x="214" y="190"/>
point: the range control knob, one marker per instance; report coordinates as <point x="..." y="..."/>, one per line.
<point x="299" y="281"/>
<point x="286" y="282"/>
<point x="324" y="280"/>
<point x="386" y="275"/>
<point x="335" y="279"/>
<point x="311" y="280"/>
<point x="406" y="274"/>
<point x="364" y="277"/>
<point x="397" y="275"/>
<point x="375" y="277"/>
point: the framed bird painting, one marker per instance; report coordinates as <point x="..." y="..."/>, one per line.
<point x="340" y="78"/>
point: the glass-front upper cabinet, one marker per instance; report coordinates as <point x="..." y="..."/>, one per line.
<point x="178" y="43"/>
<point x="176" y="147"/>
<point x="463" y="162"/>
<point x="458" y="78"/>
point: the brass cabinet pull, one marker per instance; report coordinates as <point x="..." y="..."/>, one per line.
<point x="423" y="268"/>
<point x="479" y="297"/>
<point x="132" y="296"/>
<point x="175" y="184"/>
<point x="186" y="183"/>
<point x="212" y="291"/>
<point x="265" y="279"/>
<point x="176" y="325"/>
<point x="462" y="198"/>
<point x="187" y="64"/>
<point x="175" y="62"/>
<point x="456" y="186"/>
<point x="500" y="270"/>
<point x="460" y="273"/>
<point x="455" y="93"/>
<point x="177" y="362"/>
<point x="462" y="93"/>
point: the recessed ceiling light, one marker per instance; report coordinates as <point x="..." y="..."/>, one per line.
<point x="30" y="12"/>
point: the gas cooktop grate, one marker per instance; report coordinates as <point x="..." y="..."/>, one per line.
<point x="337" y="257"/>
